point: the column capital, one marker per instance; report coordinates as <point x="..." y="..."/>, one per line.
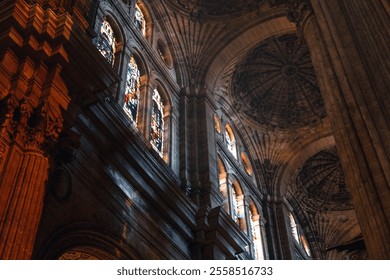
<point x="298" y="11"/>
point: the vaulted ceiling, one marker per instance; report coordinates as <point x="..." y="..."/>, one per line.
<point x="246" y="55"/>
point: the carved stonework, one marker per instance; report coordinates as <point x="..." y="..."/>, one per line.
<point x="298" y="11"/>
<point x="33" y="97"/>
<point x="268" y="170"/>
<point x="321" y="184"/>
<point x="276" y="85"/>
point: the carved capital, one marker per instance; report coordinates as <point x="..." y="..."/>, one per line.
<point x="298" y="11"/>
<point x="42" y="128"/>
<point x="8" y="107"/>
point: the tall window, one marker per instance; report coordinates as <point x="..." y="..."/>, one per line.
<point x="234" y="206"/>
<point x="157" y="123"/>
<point x="106" y="42"/>
<point x="230" y="140"/>
<point x="139" y="19"/>
<point x="298" y="234"/>
<point x="254" y="219"/>
<point x="131" y="99"/>
<point x="237" y="207"/>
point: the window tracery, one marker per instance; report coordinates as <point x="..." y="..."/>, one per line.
<point x="106" y="42"/>
<point x="140" y="20"/>
<point x="157" y="122"/>
<point x="131" y="99"/>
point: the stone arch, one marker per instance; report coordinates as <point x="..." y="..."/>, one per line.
<point x="91" y="240"/>
<point x="289" y="171"/>
<point x="231" y="54"/>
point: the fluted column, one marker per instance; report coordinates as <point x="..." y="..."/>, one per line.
<point x="347" y="43"/>
<point x="22" y="192"/>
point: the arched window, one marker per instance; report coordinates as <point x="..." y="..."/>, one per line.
<point x="139" y="20"/>
<point x="230" y="140"/>
<point x="157" y="123"/>
<point x="234" y="206"/>
<point x="233" y="197"/>
<point x="131" y="99"/>
<point x="237" y="205"/>
<point x="254" y="219"/>
<point x="298" y="234"/>
<point x="106" y="42"/>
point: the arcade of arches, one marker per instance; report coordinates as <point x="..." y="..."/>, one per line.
<point x="139" y="129"/>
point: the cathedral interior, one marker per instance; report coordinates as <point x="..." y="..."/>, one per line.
<point x="194" y="129"/>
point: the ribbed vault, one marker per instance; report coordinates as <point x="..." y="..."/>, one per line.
<point x="276" y="85"/>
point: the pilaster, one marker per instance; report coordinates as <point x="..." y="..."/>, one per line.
<point x="351" y="72"/>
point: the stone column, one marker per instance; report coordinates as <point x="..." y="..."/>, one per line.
<point x="349" y="48"/>
<point x="33" y="96"/>
<point x="22" y="191"/>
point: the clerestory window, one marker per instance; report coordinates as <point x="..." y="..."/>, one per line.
<point x="157" y="123"/>
<point x="106" y="42"/>
<point x="132" y="91"/>
<point x="139" y="20"/>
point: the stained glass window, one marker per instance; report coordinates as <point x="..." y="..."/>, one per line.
<point x="157" y="123"/>
<point x="106" y="42"/>
<point x="131" y="99"/>
<point x="140" y="20"/>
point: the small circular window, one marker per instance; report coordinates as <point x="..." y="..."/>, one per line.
<point x="246" y="163"/>
<point x="164" y="53"/>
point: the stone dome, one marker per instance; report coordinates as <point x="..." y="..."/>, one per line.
<point x="275" y="85"/>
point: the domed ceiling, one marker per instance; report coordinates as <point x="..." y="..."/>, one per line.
<point x="321" y="183"/>
<point x="214" y="7"/>
<point x="275" y="85"/>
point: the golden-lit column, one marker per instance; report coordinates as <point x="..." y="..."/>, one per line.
<point x="343" y="36"/>
<point x="22" y="191"/>
<point x="33" y="97"/>
<point x="27" y="134"/>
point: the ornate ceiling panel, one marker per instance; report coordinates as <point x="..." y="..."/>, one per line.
<point x="320" y="183"/>
<point x="276" y="85"/>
